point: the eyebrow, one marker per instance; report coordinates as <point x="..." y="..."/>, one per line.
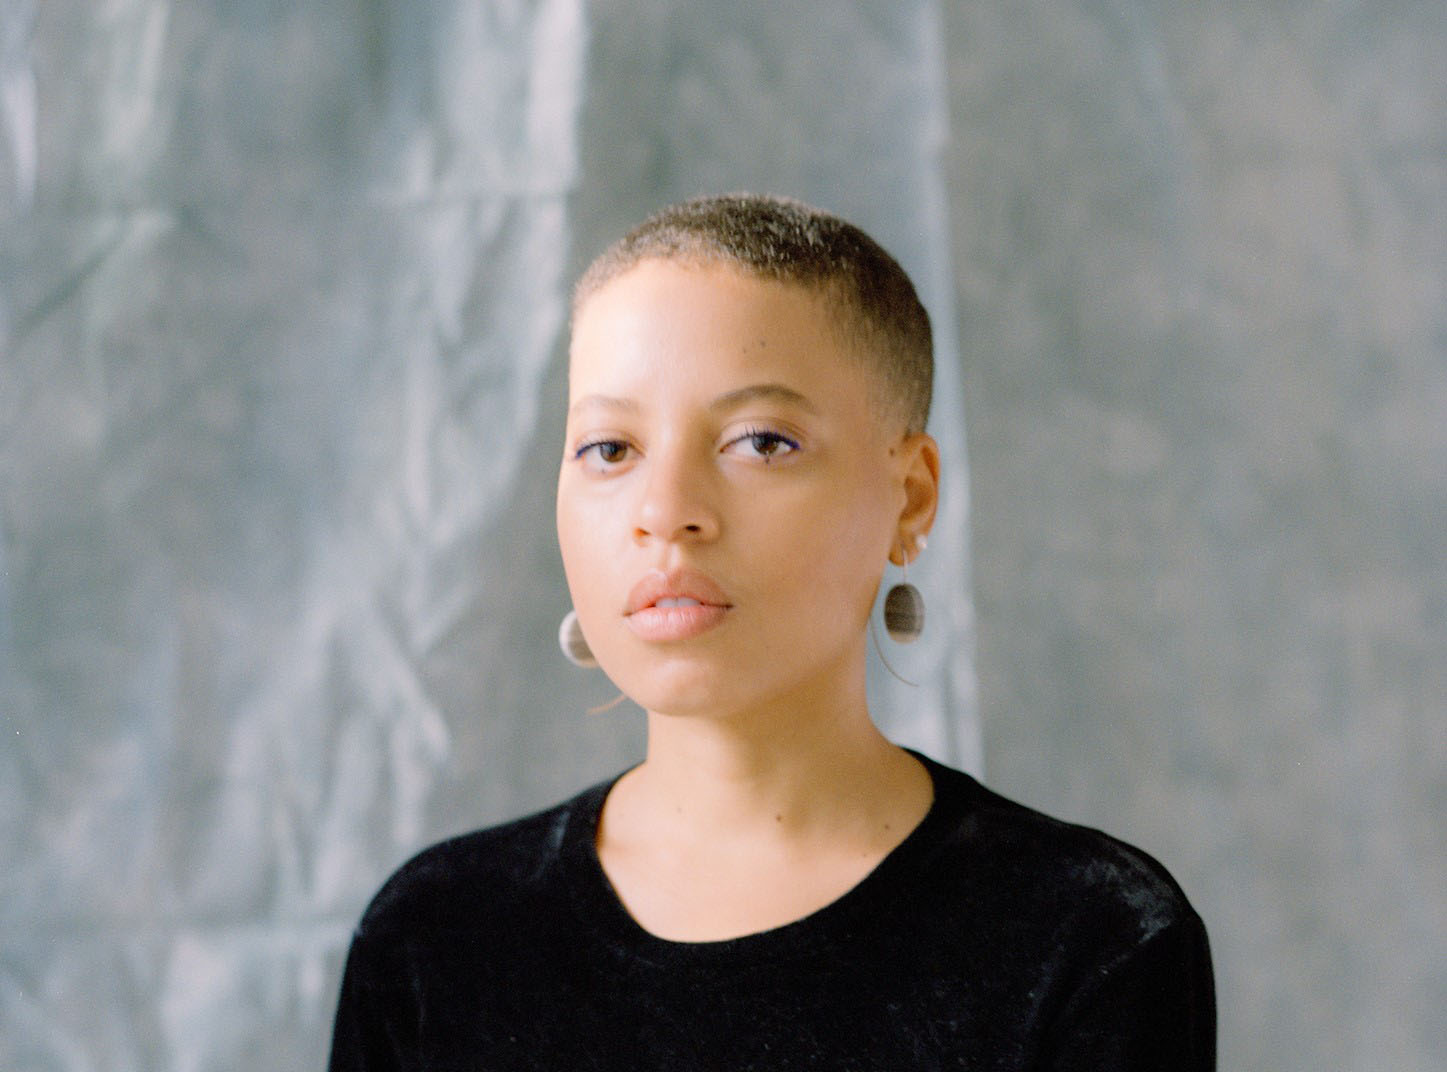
<point x="602" y="402"/>
<point x="773" y="392"/>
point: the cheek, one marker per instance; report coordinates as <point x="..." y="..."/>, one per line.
<point x="833" y="559"/>
<point x="580" y="545"/>
<point x="595" y="544"/>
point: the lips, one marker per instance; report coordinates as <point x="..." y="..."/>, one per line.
<point x="676" y="605"/>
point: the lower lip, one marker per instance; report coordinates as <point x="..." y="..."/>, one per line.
<point x="662" y="624"/>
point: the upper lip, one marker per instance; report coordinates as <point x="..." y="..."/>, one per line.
<point x="675" y="584"/>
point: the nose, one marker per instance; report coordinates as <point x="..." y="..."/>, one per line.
<point x="676" y="501"/>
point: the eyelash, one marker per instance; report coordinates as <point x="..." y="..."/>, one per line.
<point x="767" y="435"/>
<point x="594" y="444"/>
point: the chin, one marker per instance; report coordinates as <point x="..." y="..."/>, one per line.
<point x="678" y="690"/>
<point x="698" y="688"/>
<point x="672" y="683"/>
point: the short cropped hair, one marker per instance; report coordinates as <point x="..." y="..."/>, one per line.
<point x="788" y="241"/>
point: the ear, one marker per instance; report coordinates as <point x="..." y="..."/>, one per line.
<point x="918" y="460"/>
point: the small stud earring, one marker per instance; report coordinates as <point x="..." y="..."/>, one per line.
<point x="904" y="606"/>
<point x="574" y="643"/>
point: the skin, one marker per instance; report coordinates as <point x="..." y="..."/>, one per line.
<point x="718" y="423"/>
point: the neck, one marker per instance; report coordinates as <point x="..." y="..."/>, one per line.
<point x="739" y="822"/>
<point x="794" y="769"/>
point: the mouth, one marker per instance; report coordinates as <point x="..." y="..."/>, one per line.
<point x="674" y="606"/>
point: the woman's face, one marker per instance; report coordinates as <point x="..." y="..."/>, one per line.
<point x="729" y="492"/>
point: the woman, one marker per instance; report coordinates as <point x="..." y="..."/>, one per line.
<point x="776" y="886"/>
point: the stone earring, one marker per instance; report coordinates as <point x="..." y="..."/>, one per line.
<point x="574" y="643"/>
<point x="904" y="606"/>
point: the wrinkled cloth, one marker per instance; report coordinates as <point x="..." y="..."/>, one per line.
<point x="992" y="937"/>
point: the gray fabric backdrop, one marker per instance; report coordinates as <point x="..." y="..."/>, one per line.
<point x="284" y="298"/>
<point x="1201" y="268"/>
<point x="282" y="302"/>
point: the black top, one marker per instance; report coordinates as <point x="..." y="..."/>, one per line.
<point x="992" y="937"/>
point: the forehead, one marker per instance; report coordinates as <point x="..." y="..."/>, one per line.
<point x="705" y="315"/>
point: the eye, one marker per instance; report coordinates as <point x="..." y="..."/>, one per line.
<point x="762" y="443"/>
<point x="600" y="455"/>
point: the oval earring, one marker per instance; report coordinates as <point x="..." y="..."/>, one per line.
<point x="904" y="606"/>
<point x="573" y="643"/>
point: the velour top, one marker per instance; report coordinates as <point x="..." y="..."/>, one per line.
<point x="992" y="937"/>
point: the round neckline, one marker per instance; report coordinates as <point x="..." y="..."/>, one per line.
<point x="603" y="914"/>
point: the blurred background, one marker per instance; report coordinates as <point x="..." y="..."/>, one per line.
<point x="283" y="299"/>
